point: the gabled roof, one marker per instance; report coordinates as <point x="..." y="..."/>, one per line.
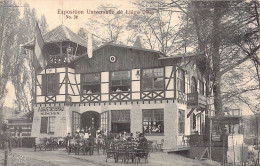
<point x="59" y="34"/>
<point x="161" y="55"/>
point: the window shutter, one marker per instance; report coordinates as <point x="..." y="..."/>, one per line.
<point x="44" y="85"/>
<point x="44" y="124"/>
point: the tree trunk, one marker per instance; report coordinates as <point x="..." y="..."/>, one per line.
<point x="216" y="56"/>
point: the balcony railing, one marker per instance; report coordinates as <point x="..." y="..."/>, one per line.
<point x="120" y="96"/>
<point x="227" y="113"/>
<point x="196" y="100"/>
<point x="58" y="59"/>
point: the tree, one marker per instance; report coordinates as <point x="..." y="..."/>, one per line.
<point x="156" y="26"/>
<point x="23" y="71"/>
<point x="8" y="34"/>
<point x="217" y="26"/>
<point x="106" y="27"/>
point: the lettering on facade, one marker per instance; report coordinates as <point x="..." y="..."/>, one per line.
<point x="56" y="110"/>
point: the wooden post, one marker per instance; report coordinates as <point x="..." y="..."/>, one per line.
<point x="6" y="152"/>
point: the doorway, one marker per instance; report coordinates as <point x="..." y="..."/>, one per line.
<point x="90" y="120"/>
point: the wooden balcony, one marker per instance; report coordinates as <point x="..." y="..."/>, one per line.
<point x="229" y="113"/>
<point x="58" y="60"/>
<point x="196" y="100"/>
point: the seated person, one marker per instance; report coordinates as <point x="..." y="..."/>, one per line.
<point x="130" y="138"/>
<point x="77" y="136"/>
<point x="155" y="129"/>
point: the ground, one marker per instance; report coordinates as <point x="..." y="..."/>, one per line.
<point x="27" y="157"/>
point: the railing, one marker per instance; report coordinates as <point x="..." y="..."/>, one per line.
<point x="120" y="96"/>
<point x="204" y="140"/>
<point x="196" y="99"/>
<point x="58" y="59"/>
<point x="227" y="113"/>
<point x="152" y="94"/>
<point x="90" y="97"/>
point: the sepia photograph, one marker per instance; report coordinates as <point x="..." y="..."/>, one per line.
<point x="129" y="82"/>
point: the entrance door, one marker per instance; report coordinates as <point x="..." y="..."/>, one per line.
<point x="90" y="122"/>
<point x="120" y="121"/>
<point x="76" y="122"/>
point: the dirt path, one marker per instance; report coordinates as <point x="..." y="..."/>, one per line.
<point x="27" y="157"/>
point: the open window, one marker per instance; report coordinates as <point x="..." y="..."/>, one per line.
<point x="153" y="121"/>
<point x="47" y="124"/>
<point x="90" y="83"/>
<point x="120" y="81"/>
<point x="153" y="79"/>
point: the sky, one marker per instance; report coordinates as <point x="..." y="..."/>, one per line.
<point x="50" y="9"/>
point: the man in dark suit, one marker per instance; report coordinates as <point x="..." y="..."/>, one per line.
<point x="143" y="143"/>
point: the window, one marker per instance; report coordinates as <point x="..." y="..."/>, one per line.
<point x="153" y="121"/>
<point x="47" y="124"/>
<point x="193" y="85"/>
<point x="76" y="121"/>
<point x="181" y="118"/>
<point x="120" y="81"/>
<point x="90" y="83"/>
<point x="181" y="81"/>
<point x="50" y="84"/>
<point x="120" y="121"/>
<point x="153" y="79"/>
<point x="201" y="87"/>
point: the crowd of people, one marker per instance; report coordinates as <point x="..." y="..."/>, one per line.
<point x="99" y="135"/>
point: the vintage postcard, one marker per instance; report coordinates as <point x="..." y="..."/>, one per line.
<point x="151" y="82"/>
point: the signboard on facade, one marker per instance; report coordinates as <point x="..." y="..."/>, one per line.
<point x="53" y="111"/>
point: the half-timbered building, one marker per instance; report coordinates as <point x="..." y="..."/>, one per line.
<point x="120" y="88"/>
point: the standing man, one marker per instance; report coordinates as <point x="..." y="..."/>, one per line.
<point x="143" y="143"/>
<point x="7" y="137"/>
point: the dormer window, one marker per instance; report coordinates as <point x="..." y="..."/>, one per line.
<point x="120" y="81"/>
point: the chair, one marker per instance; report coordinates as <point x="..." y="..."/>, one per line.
<point x="111" y="150"/>
<point x="142" y="154"/>
<point x="154" y="145"/>
<point x="121" y="152"/>
<point x="160" y="146"/>
<point x="130" y="150"/>
<point x="71" y="146"/>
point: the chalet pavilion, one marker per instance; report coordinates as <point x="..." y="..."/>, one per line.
<point x="120" y="88"/>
